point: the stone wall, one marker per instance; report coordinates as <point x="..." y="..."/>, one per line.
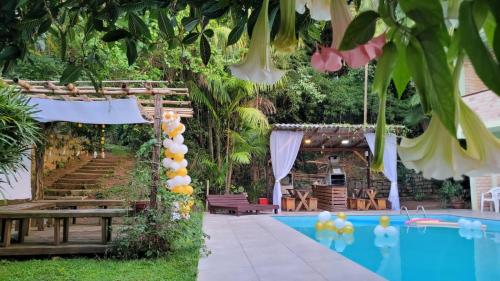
<point x="60" y="149"/>
<point x="411" y="186"/>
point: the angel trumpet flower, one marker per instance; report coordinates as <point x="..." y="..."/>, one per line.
<point x="355" y="58"/>
<point x="286" y="41"/>
<point x="438" y="154"/>
<point x="317" y="8"/>
<point x="258" y="66"/>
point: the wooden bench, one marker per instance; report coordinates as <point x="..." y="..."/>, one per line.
<point x="75" y="204"/>
<point x="237" y="203"/>
<point x="105" y="215"/>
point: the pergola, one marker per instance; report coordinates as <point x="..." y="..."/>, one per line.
<point x="153" y="97"/>
<point x="324" y="138"/>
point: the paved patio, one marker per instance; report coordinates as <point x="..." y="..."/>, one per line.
<point x="258" y="247"/>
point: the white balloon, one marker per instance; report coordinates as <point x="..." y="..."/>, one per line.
<point x="379" y="230"/>
<point x="339" y="223"/>
<point x="391" y="231"/>
<point x="166" y="162"/>
<point x="174" y="147"/>
<point x="182" y="148"/>
<point x="476" y="225"/>
<point x="167" y="143"/>
<point x="468" y="224"/>
<point x="183" y="163"/>
<point x="348" y="223"/>
<point x="174" y="166"/>
<point x="179" y="139"/>
<point x="324" y="216"/>
<point x="379" y="241"/>
<point x="187" y="180"/>
<point x="461" y="222"/>
<point x="391" y="240"/>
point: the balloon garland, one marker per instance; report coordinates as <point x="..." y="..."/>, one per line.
<point x="340" y="231"/>
<point x="175" y="149"/>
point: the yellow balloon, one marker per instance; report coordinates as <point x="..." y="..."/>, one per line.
<point x="348" y="229"/>
<point x="385" y="221"/>
<point x="178" y="157"/>
<point x="319" y="226"/>
<point x="171" y="174"/>
<point x="169" y="154"/>
<point x="329" y="225"/>
<point x="177" y="189"/>
<point x="342" y="216"/>
<point x="188" y="190"/>
<point x="182" y="172"/>
<point x="164" y="127"/>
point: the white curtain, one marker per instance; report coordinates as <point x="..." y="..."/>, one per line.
<point x="284" y="148"/>
<point x="17" y="185"/>
<point x="115" y="111"/>
<point x="390" y="164"/>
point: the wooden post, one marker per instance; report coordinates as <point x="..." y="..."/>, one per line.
<point x="155" y="167"/>
<point x="368" y="176"/>
<point x="207" y="193"/>
<point x="37" y="188"/>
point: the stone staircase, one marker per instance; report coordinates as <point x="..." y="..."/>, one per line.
<point x="81" y="182"/>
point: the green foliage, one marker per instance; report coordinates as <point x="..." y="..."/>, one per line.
<point x="451" y="190"/>
<point x="18" y="130"/>
<point x="156" y="232"/>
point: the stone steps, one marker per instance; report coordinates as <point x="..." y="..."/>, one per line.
<point x="67" y="192"/>
<point x="84" y="175"/>
<point x="82" y="181"/>
<point x="58" y="185"/>
<point x="53" y="197"/>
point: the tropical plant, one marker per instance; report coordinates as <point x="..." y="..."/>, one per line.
<point x="239" y="128"/>
<point x="18" y="130"/>
<point x="450" y="190"/>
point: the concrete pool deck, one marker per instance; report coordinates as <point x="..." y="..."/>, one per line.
<point x="260" y="248"/>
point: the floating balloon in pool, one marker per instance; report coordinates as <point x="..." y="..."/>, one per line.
<point x="386" y="235"/>
<point x="469" y="229"/>
<point x="339" y="231"/>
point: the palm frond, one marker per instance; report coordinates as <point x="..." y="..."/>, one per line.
<point x="252" y="117"/>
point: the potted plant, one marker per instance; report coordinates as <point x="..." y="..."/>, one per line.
<point x="452" y="192"/>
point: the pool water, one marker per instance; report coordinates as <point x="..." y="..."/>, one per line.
<point x="419" y="254"/>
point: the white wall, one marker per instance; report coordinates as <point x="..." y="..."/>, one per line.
<point x="20" y="184"/>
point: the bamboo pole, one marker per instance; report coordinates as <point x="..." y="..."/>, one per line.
<point x="155" y="173"/>
<point x="365" y="108"/>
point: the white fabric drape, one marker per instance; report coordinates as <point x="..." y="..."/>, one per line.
<point x="115" y="111"/>
<point x="17" y="185"/>
<point x="284" y="146"/>
<point x="390" y="164"/>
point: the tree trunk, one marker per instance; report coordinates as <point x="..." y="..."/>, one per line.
<point x="229" y="145"/>
<point x="155" y="166"/>
<point x="210" y="136"/>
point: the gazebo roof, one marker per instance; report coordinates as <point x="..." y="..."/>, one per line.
<point x="85" y="91"/>
<point x="335" y="137"/>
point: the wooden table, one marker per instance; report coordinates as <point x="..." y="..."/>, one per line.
<point x="300" y="194"/>
<point x="106" y="215"/>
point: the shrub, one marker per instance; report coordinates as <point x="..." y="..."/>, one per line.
<point x="155" y="233"/>
<point x="18" y="130"/>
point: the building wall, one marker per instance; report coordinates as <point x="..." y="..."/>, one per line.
<point x="486" y="104"/>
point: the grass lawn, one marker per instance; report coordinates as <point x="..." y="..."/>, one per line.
<point x="181" y="265"/>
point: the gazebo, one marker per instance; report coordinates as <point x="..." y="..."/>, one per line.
<point x="288" y="139"/>
<point x="113" y="102"/>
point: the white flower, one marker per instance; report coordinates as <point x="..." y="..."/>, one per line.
<point x="319" y="9"/>
<point x="258" y="66"/>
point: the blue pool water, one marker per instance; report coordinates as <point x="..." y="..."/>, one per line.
<point x="419" y="254"/>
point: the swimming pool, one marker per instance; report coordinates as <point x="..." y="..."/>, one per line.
<point x="419" y="254"/>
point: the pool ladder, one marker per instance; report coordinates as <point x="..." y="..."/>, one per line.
<point x="404" y="208"/>
<point x="419" y="207"/>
